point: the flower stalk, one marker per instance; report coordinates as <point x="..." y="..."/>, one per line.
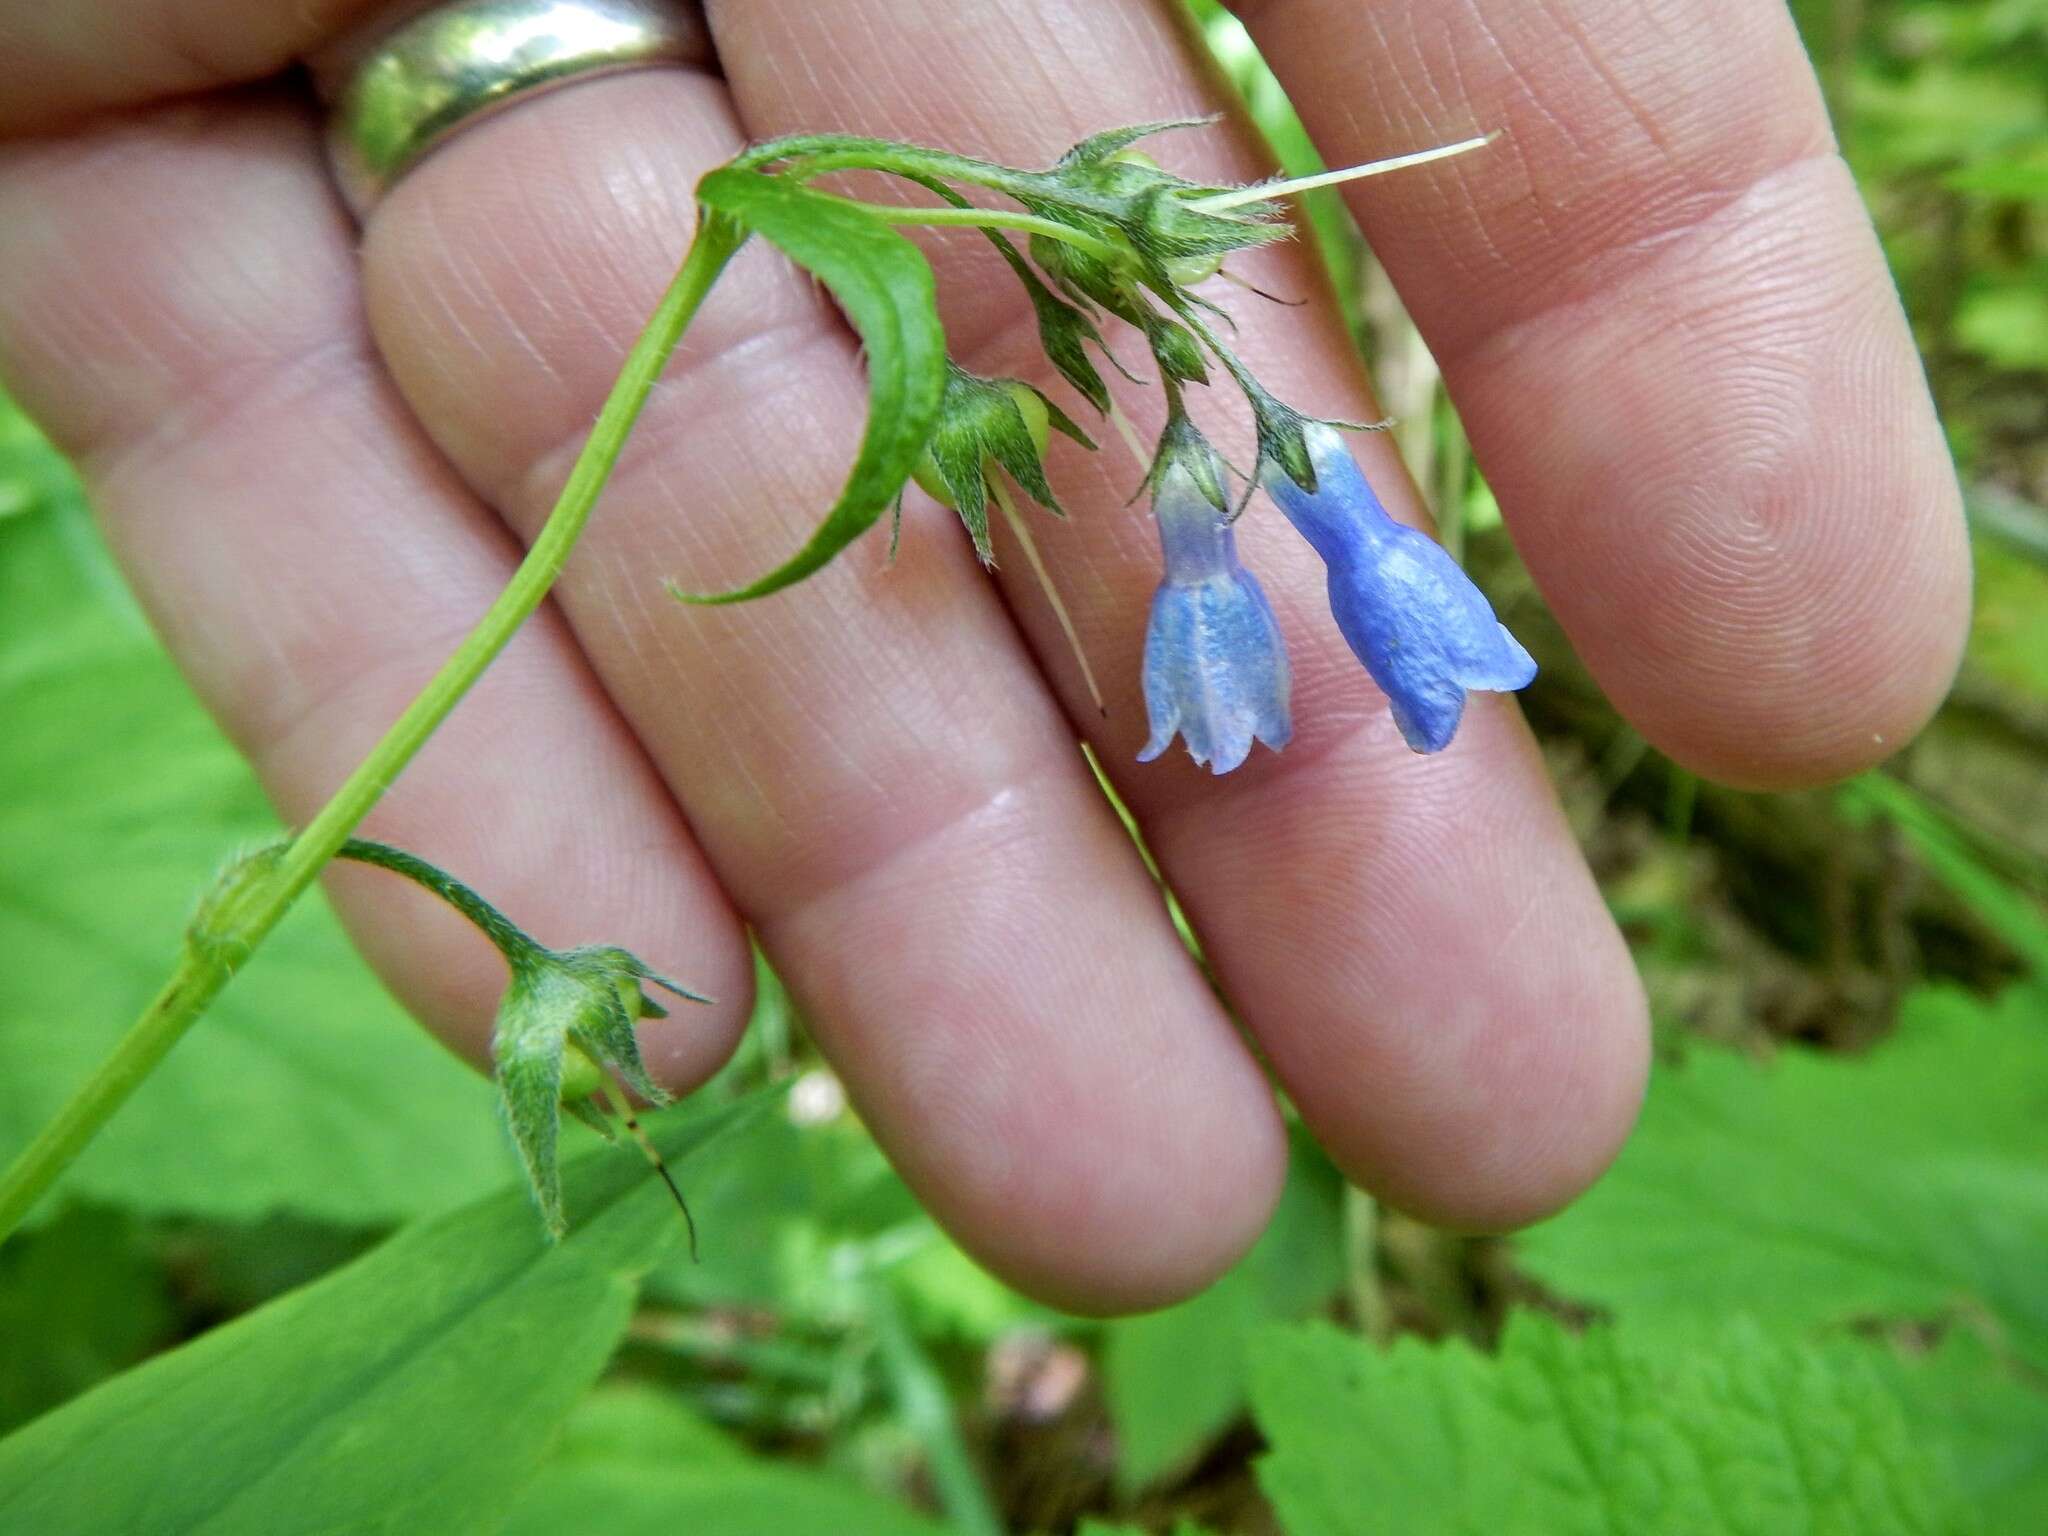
<point x="241" y="913"/>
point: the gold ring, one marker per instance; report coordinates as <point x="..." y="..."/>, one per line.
<point x="434" y="74"/>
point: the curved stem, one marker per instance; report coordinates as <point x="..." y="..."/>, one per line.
<point x="261" y="891"/>
<point x="511" y="942"/>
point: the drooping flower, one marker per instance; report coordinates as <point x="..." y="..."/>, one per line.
<point x="1423" y="630"/>
<point x="564" y="1011"/>
<point x="1215" y="666"/>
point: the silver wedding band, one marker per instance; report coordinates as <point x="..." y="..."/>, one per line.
<point x="433" y="75"/>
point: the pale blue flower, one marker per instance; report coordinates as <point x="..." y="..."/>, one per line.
<point x="1215" y="666"/>
<point x="1424" y="632"/>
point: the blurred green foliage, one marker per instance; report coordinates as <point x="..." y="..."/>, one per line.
<point x="1811" y="1296"/>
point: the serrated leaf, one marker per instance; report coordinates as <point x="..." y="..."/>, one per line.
<point x="1910" y="1182"/>
<point x="884" y="287"/>
<point x="1564" y="1433"/>
<point x="1994" y="1425"/>
<point x="1176" y="1378"/>
<point x="305" y="1087"/>
<point x="412" y="1390"/>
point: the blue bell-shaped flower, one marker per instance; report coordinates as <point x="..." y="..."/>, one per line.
<point x="1424" y="632"/>
<point x="1215" y="665"/>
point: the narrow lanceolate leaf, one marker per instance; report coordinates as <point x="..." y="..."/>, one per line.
<point x="884" y="287"/>
<point x="414" y="1390"/>
<point x="1736" y="1436"/>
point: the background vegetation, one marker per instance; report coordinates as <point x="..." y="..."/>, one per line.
<point x="1811" y="1297"/>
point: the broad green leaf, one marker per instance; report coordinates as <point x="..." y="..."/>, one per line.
<point x="304" y="1087"/>
<point x="413" y="1390"/>
<point x="1562" y="1434"/>
<point x="884" y="286"/>
<point x="1961" y="1397"/>
<point x="632" y="1461"/>
<point x="79" y="1300"/>
<point x="1910" y="1182"/>
<point x="1176" y="1379"/>
<point x="634" y="1421"/>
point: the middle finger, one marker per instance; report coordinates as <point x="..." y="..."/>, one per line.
<point x="1415" y="941"/>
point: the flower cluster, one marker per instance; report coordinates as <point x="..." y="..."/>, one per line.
<point x="1215" y="665"/>
<point x="1112" y="235"/>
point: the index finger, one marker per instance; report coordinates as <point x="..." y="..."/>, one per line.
<point x="1662" y="312"/>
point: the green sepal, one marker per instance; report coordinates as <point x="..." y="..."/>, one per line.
<point x="1163" y="224"/>
<point x="593" y="1117"/>
<point x="1089" y="280"/>
<point x="1175" y="350"/>
<point x="982" y="422"/>
<point x="958" y="457"/>
<point x="1182" y="446"/>
<point x="588" y="997"/>
<point x="1059" y="420"/>
<point x="1282" y="436"/>
<point x="1063" y="330"/>
<point x="885" y="288"/>
<point x="1282" y="439"/>
<point x="1100" y="147"/>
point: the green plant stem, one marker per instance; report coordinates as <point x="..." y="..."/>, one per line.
<point x="514" y="945"/>
<point x="989" y="218"/>
<point x="246" y="909"/>
<point x="927" y="1412"/>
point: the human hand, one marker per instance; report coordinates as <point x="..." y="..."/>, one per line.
<point x="1657" y="301"/>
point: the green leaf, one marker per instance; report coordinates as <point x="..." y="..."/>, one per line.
<point x="884" y="287"/>
<point x="2008" y="910"/>
<point x="79" y="1300"/>
<point x="1176" y="1379"/>
<point x="2006" y="322"/>
<point x="304" y="1087"/>
<point x="2022" y="176"/>
<point x="634" y="1461"/>
<point x="1911" y="1182"/>
<point x="1563" y="1433"/>
<point x="1962" y="1397"/>
<point x="411" y="1391"/>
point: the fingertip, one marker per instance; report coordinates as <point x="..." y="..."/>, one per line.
<point x="1539" y="1126"/>
<point x="1863" y="674"/>
<point x="1120" y="1245"/>
<point x="683" y="1050"/>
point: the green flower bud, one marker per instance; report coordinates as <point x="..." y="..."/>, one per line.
<point x="984" y="423"/>
<point x="565" y="1016"/>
